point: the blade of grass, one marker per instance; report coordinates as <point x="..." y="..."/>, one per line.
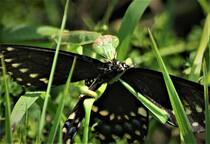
<point x="59" y="111"/>
<point x="159" y="113"/>
<point x="109" y="11"/>
<point x="205" y="5"/>
<point x="177" y="106"/>
<point x="129" y="22"/>
<point x="206" y="98"/>
<point x="25" y="127"/>
<point x="60" y="136"/>
<point x="88" y="103"/>
<point x="22" y="106"/>
<point x="208" y="67"/>
<point x="196" y="67"/>
<point x="41" y="124"/>
<point x="8" y="105"/>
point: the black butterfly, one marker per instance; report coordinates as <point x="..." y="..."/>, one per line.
<point x="117" y="112"/>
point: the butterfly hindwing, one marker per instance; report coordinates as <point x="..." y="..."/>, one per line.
<point x="151" y="84"/>
<point x="117" y="114"/>
<point x="31" y="66"/>
<point x="74" y="120"/>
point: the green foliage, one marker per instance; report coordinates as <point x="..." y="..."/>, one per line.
<point x="37" y="23"/>
<point x="129" y="22"/>
<point x="197" y="63"/>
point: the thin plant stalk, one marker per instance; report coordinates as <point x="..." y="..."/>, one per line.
<point x="42" y="119"/>
<point x="206" y="99"/>
<point x="8" y="104"/>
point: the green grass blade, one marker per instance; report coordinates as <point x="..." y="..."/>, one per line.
<point x="42" y="119"/>
<point x="59" y="111"/>
<point x="109" y="11"/>
<point x="8" y="104"/>
<point x="88" y="103"/>
<point x="206" y="98"/>
<point x="25" y="127"/>
<point x="159" y="113"/>
<point x="129" y="22"/>
<point x="60" y="136"/>
<point x="181" y="117"/>
<point x="197" y="63"/>
<point x="22" y="105"/>
<point x="205" y="5"/>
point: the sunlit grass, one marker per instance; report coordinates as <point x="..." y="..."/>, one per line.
<point x="181" y="117"/>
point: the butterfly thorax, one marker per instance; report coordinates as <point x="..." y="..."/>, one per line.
<point x="115" y="66"/>
<point x="110" y="71"/>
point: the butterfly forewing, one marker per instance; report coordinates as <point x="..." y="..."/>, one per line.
<point x="31" y="66"/>
<point x="151" y="84"/>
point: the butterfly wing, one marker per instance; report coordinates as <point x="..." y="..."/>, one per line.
<point x="116" y="114"/>
<point x="31" y="66"/>
<point x="151" y="84"/>
<point x="74" y="120"/>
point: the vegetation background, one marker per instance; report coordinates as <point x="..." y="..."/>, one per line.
<point x="176" y="24"/>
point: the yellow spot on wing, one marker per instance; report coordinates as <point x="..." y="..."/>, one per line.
<point x="142" y="111"/>
<point x="10" y="49"/>
<point x="8" y="60"/>
<point x="68" y="141"/>
<point x="77" y="120"/>
<point x="72" y="116"/>
<point x="132" y="114"/>
<point x="119" y="117"/>
<point x="104" y="112"/>
<point x="64" y="130"/>
<point x="102" y="136"/>
<point x="195" y="124"/>
<point x="45" y="80"/>
<point x="28" y="84"/>
<point x="24" y="70"/>
<point x="188" y="111"/>
<point x="137" y="132"/>
<point x="94" y="108"/>
<point x="198" y="108"/>
<point x="33" y="75"/>
<point x="112" y="116"/>
<point x="144" y="126"/>
<point x="126" y="116"/>
<point x="15" y="65"/>
<point x="10" y="73"/>
<point x="128" y="136"/>
<point x="114" y="136"/>
<point x="19" y="79"/>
